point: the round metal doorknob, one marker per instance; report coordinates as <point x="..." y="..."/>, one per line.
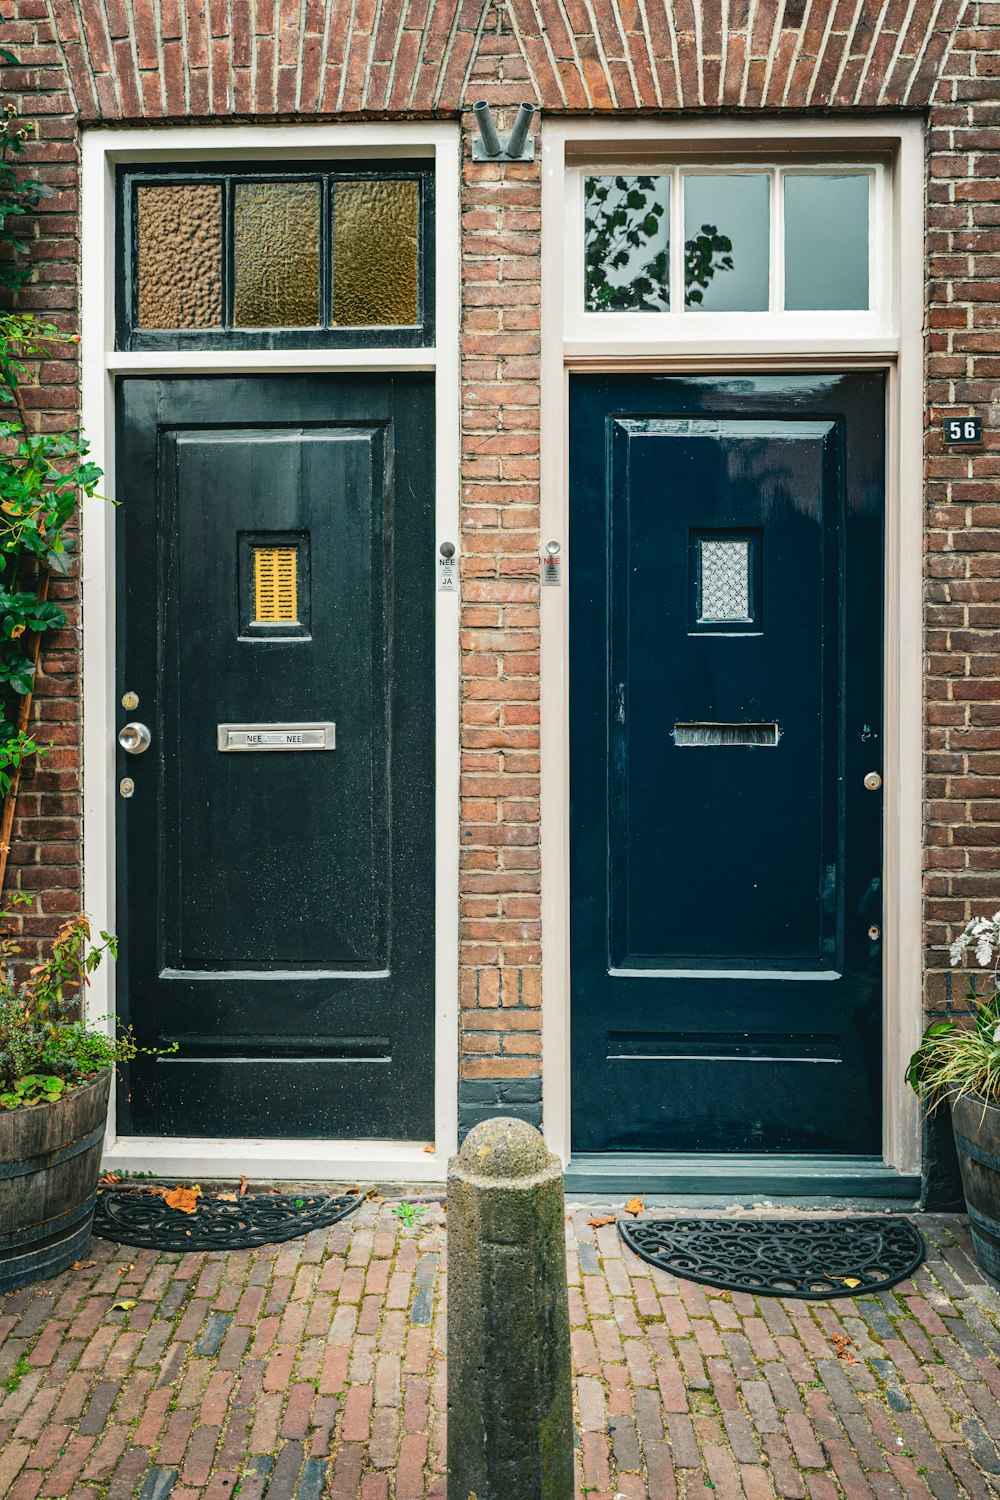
<point x="873" y="781"/>
<point x="134" y="737"/>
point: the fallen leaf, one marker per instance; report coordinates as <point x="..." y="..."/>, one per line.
<point x="227" y="1197"/>
<point x="184" y="1199"/>
<point x="109" y="1179"/>
<point x="81" y="1265"/>
<point x="601" y="1220"/>
<point x="850" y="1280"/>
<point x="842" y="1343"/>
<point x="124" y="1270"/>
<point x="125" y="1305"/>
<point x="634" y="1206"/>
<point x="243" y="1186"/>
<point x="429" y="1149"/>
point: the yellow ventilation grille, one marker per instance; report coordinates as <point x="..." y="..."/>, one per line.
<point x="275" y="586"/>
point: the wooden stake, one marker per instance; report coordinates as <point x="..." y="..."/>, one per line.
<point x="24" y="714"/>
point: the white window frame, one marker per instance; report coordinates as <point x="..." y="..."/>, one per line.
<point x="103" y="152"/>
<point x="720" y="328"/>
<point x="572" y="341"/>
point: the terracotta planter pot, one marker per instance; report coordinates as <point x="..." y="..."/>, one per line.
<point x="50" y="1159"/>
<point x="977" y="1137"/>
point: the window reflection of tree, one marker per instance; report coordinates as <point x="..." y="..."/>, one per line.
<point x="623" y="216"/>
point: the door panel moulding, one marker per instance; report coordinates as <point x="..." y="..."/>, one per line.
<point x="103" y="151"/>
<point x="897" y="349"/>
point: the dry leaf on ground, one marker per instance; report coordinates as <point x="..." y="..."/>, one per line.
<point x="184" y="1199"/>
<point x="601" y="1220"/>
<point x="243" y="1186"/>
<point x="228" y="1197"/>
<point x="842" y="1344"/>
<point x="125" y="1305"/>
<point x="108" y="1179"/>
<point x="634" y="1206"/>
<point x="429" y="1149"/>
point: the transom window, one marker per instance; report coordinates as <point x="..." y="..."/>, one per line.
<point x="297" y="256"/>
<point x="680" y="243"/>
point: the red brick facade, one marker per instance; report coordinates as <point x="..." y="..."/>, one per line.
<point x="87" y="62"/>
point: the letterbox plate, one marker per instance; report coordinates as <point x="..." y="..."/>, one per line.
<point x="277" y="737"/>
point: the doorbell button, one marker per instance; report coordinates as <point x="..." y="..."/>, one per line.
<point x="873" y="781"/>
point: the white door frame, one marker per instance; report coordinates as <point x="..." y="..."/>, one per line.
<point x="897" y="348"/>
<point x="103" y="150"/>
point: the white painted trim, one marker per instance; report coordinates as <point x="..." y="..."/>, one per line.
<point x="102" y="151"/>
<point x="271" y="361"/>
<point x="293" y="1160"/>
<point x="898" y="349"/>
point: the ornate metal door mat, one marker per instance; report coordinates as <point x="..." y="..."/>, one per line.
<point x="141" y="1216"/>
<point x="787" y="1257"/>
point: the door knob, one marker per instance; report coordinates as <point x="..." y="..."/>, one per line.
<point x="134" y="737"/>
<point x="873" y="781"/>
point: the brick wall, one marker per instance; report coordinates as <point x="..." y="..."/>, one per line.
<point x="182" y="59"/>
<point x="45" y="852"/>
<point x="963" y="503"/>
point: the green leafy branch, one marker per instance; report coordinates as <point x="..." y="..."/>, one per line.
<point x="42" y="474"/>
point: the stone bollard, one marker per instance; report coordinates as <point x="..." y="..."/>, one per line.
<point x="510" y="1404"/>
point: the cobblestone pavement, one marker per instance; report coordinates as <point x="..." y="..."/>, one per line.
<point x="316" y="1368"/>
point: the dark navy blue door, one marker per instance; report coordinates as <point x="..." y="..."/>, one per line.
<point x="726" y="711"/>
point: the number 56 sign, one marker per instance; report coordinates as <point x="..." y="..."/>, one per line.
<point x="963" y="429"/>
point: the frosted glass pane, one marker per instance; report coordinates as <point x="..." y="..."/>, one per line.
<point x="276" y="255"/>
<point x="627" y="244"/>
<point x="179" y="253"/>
<point x="826" y="241"/>
<point x="725" y="581"/>
<point x="727" y="218"/>
<point x="375" y="226"/>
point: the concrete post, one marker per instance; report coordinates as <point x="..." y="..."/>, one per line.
<point x="510" y="1405"/>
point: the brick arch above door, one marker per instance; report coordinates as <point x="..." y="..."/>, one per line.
<point x="178" y="59"/>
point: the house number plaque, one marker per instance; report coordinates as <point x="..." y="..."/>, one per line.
<point x="277" y="737"/>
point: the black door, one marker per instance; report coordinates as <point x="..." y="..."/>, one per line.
<point x="726" y="709"/>
<point x="276" y="859"/>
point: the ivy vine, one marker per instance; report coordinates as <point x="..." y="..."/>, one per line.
<point x="42" y="474"/>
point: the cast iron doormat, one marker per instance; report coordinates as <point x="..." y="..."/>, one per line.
<point x="139" y="1216"/>
<point x="792" y="1257"/>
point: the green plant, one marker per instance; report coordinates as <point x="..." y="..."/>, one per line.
<point x="20" y="195"/>
<point x="13" y="1380"/>
<point x="45" y="1047"/>
<point x="42" y="474"/>
<point x="963" y="1057"/>
<point x="410" y="1213"/>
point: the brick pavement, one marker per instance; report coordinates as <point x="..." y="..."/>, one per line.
<point x="317" y="1368"/>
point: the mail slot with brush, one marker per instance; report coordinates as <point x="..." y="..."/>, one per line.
<point x="244" y="737"/>
<point x="726" y="734"/>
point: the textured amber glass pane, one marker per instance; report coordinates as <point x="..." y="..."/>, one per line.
<point x="180" y="255"/>
<point x="276" y="255"/>
<point x="375" y="252"/>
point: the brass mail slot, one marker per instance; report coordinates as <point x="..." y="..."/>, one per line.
<point x="277" y="737"/>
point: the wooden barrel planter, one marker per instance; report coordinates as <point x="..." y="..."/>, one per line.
<point x="977" y="1137"/>
<point x="50" y="1159"/>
